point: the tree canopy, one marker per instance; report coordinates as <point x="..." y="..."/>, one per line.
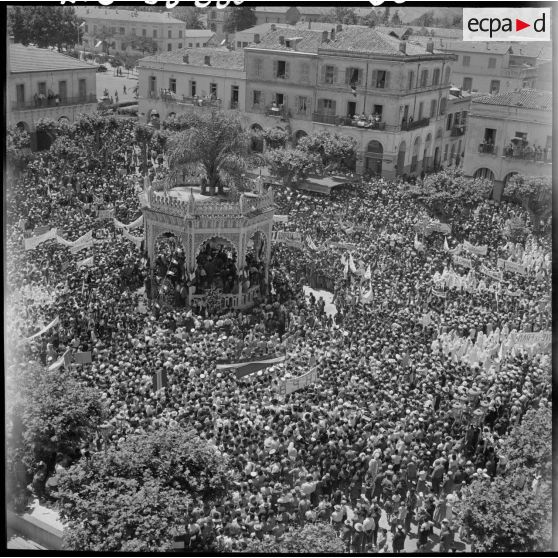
<point x="43" y="26"/>
<point x="135" y="496"/>
<point x="318" y="538"/>
<point x="275" y="138"/>
<point x="292" y="166"/>
<point x="190" y="15"/>
<point x="533" y="193"/>
<point x="240" y="18"/>
<point x="333" y="149"/>
<point x="342" y="14"/>
<point x="213" y="145"/>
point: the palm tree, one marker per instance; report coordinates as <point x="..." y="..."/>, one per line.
<point x="215" y="147"/>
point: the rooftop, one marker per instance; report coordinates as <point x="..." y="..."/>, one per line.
<point x="498" y="47"/>
<point x="524" y="98"/>
<point x="126" y="15"/>
<point x="273" y="9"/>
<point x="198" y="33"/>
<point x="309" y="40"/>
<point x="33" y="59"/>
<point x="220" y="57"/>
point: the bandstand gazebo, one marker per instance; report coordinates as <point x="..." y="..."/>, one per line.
<point x="196" y="220"/>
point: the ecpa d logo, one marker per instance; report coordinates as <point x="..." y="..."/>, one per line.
<point x="512" y="24"/>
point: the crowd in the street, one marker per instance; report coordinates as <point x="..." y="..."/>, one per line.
<point x="385" y="443"/>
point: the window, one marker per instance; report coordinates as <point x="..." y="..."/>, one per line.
<point x="207" y="60"/>
<point x="20" y="93"/>
<point x="467" y="84"/>
<point x="281" y="68"/>
<point x="82" y="88"/>
<point x="353" y="76"/>
<point x="466" y="61"/>
<point x="423" y="78"/>
<point x="495" y="86"/>
<point x="443" y="103"/>
<point x="522" y="135"/>
<point x="152" y="84"/>
<point x="169" y="34"/>
<point x="433" y="105"/>
<point x="42" y="88"/>
<point x="113" y="30"/>
<point x="121" y="30"/>
<point x="490" y="136"/>
<point x="180" y="34"/>
<point x="193" y="90"/>
<point x="446" y="152"/>
<point x="492" y="62"/>
<point x="258" y="67"/>
<point x="133" y="31"/>
<point x="326" y="106"/>
<point x="172" y="85"/>
<point x="238" y="44"/>
<point x="123" y="46"/>
<point x="213" y="90"/>
<point x="380" y="79"/>
<point x="421" y="110"/>
<point x="197" y="45"/>
<point x="304" y="72"/>
<point x="94" y="29"/>
<point x="436" y="77"/>
<point x="449" y="121"/>
<point x="257" y="98"/>
<point x="279" y="99"/>
<point x="204" y="44"/>
<point x="302" y="104"/>
<point x="179" y="45"/>
<point x="144" y="32"/>
<point x="447" y="75"/>
<point x="213" y="28"/>
<point x="329" y="74"/>
<point x="378" y="109"/>
<point x="235" y="93"/>
<point x="411" y="80"/>
<point x="86" y="28"/>
<point x="154" y="33"/>
<point x="169" y="47"/>
<point x="190" y="45"/>
<point x="213" y="14"/>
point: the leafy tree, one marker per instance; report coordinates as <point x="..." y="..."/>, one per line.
<point x="371" y="19"/>
<point x="342" y="14"/>
<point x="190" y="15"/>
<point x="56" y="413"/>
<point x="292" y="166"/>
<point x="275" y="137"/>
<point x="317" y="538"/>
<point x="240" y="18"/>
<point x="134" y="497"/>
<point x="448" y="190"/>
<point x="44" y="26"/>
<point x="215" y="146"/>
<point x="395" y="19"/>
<point x="141" y="43"/>
<point x="333" y="149"/>
<point x="534" y="194"/>
<point x="18" y="147"/>
<point x="143" y="135"/>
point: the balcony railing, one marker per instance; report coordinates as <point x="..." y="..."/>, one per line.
<point x="528" y="154"/>
<point x="53" y="102"/>
<point x="325" y="118"/>
<point x="487" y="149"/>
<point x="458" y="130"/>
<point x="278" y="112"/>
<point x="347" y="121"/>
<point x="194" y="101"/>
<point x="413" y="125"/>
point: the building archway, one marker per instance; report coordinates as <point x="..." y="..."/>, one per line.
<point x="373" y="157"/>
<point x="401" y="158"/>
<point x="426" y="157"/>
<point x="484" y="173"/>
<point x="299" y="135"/>
<point x="64" y="120"/>
<point x="23" y="126"/>
<point x="415" y="156"/>
<point x="216" y="265"/>
<point x="254" y="260"/>
<point x="508" y="177"/>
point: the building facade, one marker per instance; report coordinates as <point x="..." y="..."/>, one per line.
<point x="42" y="83"/>
<point x="191" y="79"/>
<point x="391" y="96"/>
<point x="509" y="134"/>
<point x="130" y="31"/>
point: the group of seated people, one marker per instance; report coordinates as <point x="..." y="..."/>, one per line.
<point x="525" y="151"/>
<point x="364" y="121"/>
<point x="50" y="98"/>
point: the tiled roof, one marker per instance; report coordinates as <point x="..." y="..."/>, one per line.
<point x="315" y="10"/>
<point x="264" y="28"/>
<point x="273" y="9"/>
<point x="220" y="57"/>
<point x="364" y="39"/>
<point x="526" y="50"/>
<point x="481" y="47"/>
<point x="198" y="33"/>
<point x="310" y="40"/>
<point x="33" y="59"/>
<point x="525" y="98"/>
<point x="125" y="15"/>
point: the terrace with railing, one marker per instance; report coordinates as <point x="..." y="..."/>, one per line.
<point x="407" y="126"/>
<point x="487" y="149"/>
<point x="364" y="124"/>
<point x="528" y="153"/>
<point x="52" y="102"/>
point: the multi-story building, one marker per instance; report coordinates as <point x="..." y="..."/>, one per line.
<point x="455" y="129"/>
<point x="42" y="83"/>
<point x="508" y="134"/>
<point x="216" y="22"/>
<point x="276" y="14"/>
<point x="198" y="38"/>
<point x="191" y="79"/>
<point x="390" y="95"/>
<point x="130" y="31"/>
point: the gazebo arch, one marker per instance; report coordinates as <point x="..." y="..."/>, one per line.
<point x="401" y="153"/>
<point x="299" y="135"/>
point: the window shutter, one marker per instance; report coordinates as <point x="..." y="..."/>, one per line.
<point x="320" y="105"/>
<point x="333" y="107"/>
<point x="360" y="74"/>
<point x="347" y="75"/>
<point x="335" y="74"/>
<point x="323" y="73"/>
<point x="275" y="68"/>
<point x="386" y="86"/>
<point x="374" y="77"/>
<point x="285" y="100"/>
<point x="287" y="66"/>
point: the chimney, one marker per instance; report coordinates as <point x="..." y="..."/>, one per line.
<point x="281" y="39"/>
<point x="324" y="36"/>
<point x="339" y="28"/>
<point x="332" y="35"/>
<point x="430" y="46"/>
<point x="207" y="60"/>
<point x="185" y="59"/>
<point x="403" y="47"/>
<point x="256" y="38"/>
<point x="273" y="27"/>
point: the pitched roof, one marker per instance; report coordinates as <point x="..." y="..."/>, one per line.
<point x="309" y="40"/>
<point x="126" y="15"/>
<point x="498" y="47"/>
<point x="273" y="9"/>
<point x="264" y="28"/>
<point x="33" y="59"/>
<point x="198" y="33"/>
<point x="525" y="98"/>
<point x="363" y="39"/>
<point x="220" y="57"/>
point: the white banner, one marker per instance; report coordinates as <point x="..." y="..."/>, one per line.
<point x="85" y="241"/>
<point x="137" y="223"/>
<point x="34" y="241"/>
<point x="44" y="330"/>
<point x="293" y="384"/>
<point x="137" y="240"/>
<point x="492" y="274"/>
<point x="280" y="218"/>
<point x="88" y="262"/>
<point x="478" y="250"/>
<point x="465" y="262"/>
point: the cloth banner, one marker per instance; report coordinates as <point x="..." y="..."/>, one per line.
<point x="440" y="294"/>
<point x="515" y="267"/>
<point x="65" y="360"/>
<point x="137" y="240"/>
<point x="160" y="380"/>
<point x="105" y="214"/>
<point x="478" y="250"/>
<point x="465" y="262"/>
<point x="310" y="243"/>
<point x="88" y="262"/>
<point x="41" y="230"/>
<point x="54" y="322"/>
<point x="492" y="274"/>
<point x="86" y="241"/>
<point x="34" y="241"/>
<point x="137" y="223"/>
<point x="284" y="236"/>
<point x="83" y="358"/>
<point x="343" y="245"/>
<point x="444" y="228"/>
<point x="352" y="265"/>
<point x="280" y="218"/>
<point x="419" y="246"/>
<point x="225" y="364"/>
<point x="294" y="384"/>
<point x="367" y="298"/>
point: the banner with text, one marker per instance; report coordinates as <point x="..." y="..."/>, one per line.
<point x="294" y="384"/>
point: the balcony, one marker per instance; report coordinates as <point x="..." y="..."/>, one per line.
<point x="413" y="125"/>
<point x="347" y="121"/>
<point x="52" y="103"/>
<point x="169" y="97"/>
<point x="458" y="130"/>
<point x="528" y="154"/>
<point x="278" y="112"/>
<point x="488" y="149"/>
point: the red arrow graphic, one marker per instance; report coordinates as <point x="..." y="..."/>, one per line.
<point x="519" y="25"/>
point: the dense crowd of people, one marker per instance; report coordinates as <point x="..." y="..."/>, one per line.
<point x="385" y="443"/>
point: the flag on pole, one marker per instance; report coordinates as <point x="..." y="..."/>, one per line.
<point x="367" y="298"/>
<point x="368" y="273"/>
<point x="352" y="265"/>
<point x="310" y="243"/>
<point x="446" y="246"/>
<point x="419" y="246"/>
